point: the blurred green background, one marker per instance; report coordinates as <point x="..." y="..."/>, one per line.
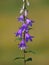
<point x="39" y="12"/>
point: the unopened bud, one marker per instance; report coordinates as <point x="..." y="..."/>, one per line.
<point x="26" y="12"/>
<point x="23" y="0"/>
<point x="28" y="3"/>
<point x="21" y="11"/>
<point x="23" y="6"/>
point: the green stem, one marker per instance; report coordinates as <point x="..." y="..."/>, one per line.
<point x="25" y="5"/>
<point x="24" y="33"/>
<point x="24" y="58"/>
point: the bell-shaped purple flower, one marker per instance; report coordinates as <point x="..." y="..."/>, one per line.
<point x="24" y="27"/>
<point x="28" y="37"/>
<point x="21" y="30"/>
<point x="19" y="33"/>
<point x="22" y="45"/>
<point x="29" y="22"/>
<point x="21" y="18"/>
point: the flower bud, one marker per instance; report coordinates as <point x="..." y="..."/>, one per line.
<point x="23" y="6"/>
<point x="28" y="3"/>
<point x="23" y="0"/>
<point x="26" y="12"/>
<point x="21" y="11"/>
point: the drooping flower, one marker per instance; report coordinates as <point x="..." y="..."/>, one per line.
<point x="19" y="33"/>
<point x="28" y="37"/>
<point x="29" y="22"/>
<point x="22" y="45"/>
<point x="21" y="18"/>
<point x="21" y="30"/>
<point x="24" y="27"/>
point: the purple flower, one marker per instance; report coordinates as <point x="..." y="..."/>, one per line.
<point x="21" y="30"/>
<point x="19" y="33"/>
<point x="22" y="45"/>
<point x="21" y="18"/>
<point x="28" y="37"/>
<point x="29" y="22"/>
<point x="24" y="27"/>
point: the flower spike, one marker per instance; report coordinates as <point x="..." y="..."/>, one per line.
<point x="23" y="32"/>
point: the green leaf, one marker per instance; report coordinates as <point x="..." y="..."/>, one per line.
<point x="19" y="58"/>
<point x="29" y="59"/>
<point x="30" y="52"/>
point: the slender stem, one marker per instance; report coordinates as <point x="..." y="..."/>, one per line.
<point x="24" y="51"/>
<point x="24" y="11"/>
<point x="25" y="5"/>
<point x="24" y="58"/>
<point x="24" y="32"/>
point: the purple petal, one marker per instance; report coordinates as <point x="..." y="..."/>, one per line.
<point x="27" y="30"/>
<point x="22" y="44"/>
<point x="19" y="33"/>
<point x="28" y="37"/>
<point x="29" y="22"/>
<point x="24" y="27"/>
<point x="21" y="18"/>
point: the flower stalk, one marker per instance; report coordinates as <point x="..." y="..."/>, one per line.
<point x="23" y="32"/>
<point x="24" y="58"/>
